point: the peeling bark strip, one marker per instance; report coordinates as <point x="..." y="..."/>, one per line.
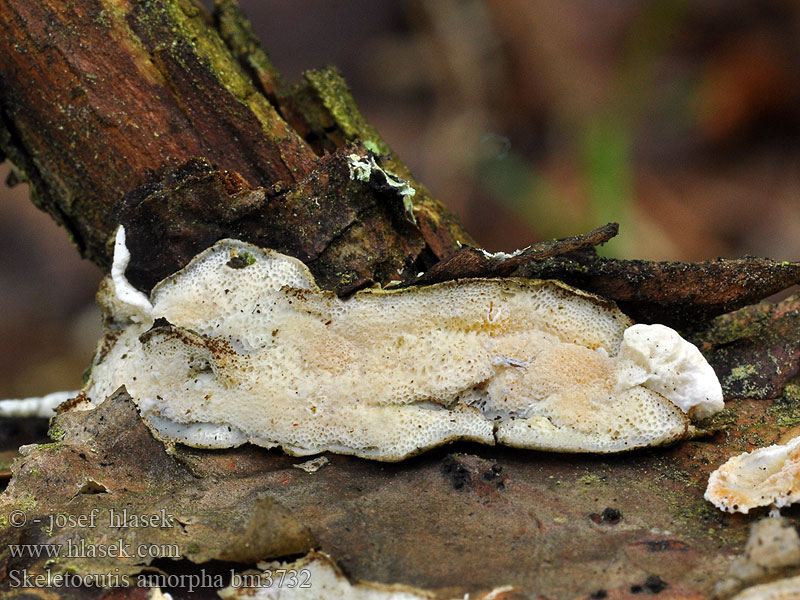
<point x="474" y="262"/>
<point x="678" y="294"/>
<point x="673" y="293"/>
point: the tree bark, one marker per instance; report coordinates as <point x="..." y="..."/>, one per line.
<point x="107" y="107"/>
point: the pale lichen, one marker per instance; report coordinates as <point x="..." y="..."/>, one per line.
<point x="362" y="168"/>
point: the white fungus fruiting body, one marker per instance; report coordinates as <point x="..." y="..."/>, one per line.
<point x="781" y="589"/>
<point x="44" y="407"/>
<point x="139" y="309"/>
<point x="252" y="350"/>
<point x="661" y="360"/>
<point x="762" y="477"/>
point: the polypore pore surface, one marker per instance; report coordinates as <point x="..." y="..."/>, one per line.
<point x="242" y="345"/>
<point x="762" y="477"/>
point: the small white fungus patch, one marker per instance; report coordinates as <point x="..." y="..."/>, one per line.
<point x="762" y="477"/>
<point x="252" y="350"/>
<point x="313" y="465"/>
<point x="140" y="309"/>
<point x="782" y="589"/>
<point x="43" y="407"/>
<point x="772" y="548"/>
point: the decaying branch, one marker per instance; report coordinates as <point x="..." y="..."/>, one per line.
<point x="177" y="125"/>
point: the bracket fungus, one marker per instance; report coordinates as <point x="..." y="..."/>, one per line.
<point x="763" y="477"/>
<point x="243" y="346"/>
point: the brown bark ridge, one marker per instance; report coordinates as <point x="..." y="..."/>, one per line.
<point x="106" y="105"/>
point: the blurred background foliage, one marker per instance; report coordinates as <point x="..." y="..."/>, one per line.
<point x="531" y="119"/>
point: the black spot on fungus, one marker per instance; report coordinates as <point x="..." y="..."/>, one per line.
<point x="455" y="471"/>
<point x="240" y="261"/>
<point x="654" y="584"/>
<point x="598" y="595"/>
<point x="611" y="515"/>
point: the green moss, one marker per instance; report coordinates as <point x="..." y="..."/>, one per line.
<point x="332" y="90"/>
<point x="26" y="502"/>
<point x="792" y="390"/>
<point x="743" y="371"/>
<point x="87" y="373"/>
<point x="49" y="447"/>
<point x="192" y="548"/>
<point x="785" y="412"/>
<point x="241" y="260"/>
<point x="191" y="27"/>
<point x="724" y="419"/>
<point x="692" y="510"/>
<point x="371" y="146"/>
<point x="744" y="380"/>
<point x="56" y="432"/>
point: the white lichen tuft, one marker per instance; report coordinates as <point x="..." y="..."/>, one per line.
<point x="254" y="351"/>
<point x="502" y="255"/>
<point x="362" y="168"/>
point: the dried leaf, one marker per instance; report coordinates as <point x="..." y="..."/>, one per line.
<point x="135" y="498"/>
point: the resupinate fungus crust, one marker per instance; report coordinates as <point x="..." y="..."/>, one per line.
<point x="766" y="476"/>
<point x="242" y="346"/>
